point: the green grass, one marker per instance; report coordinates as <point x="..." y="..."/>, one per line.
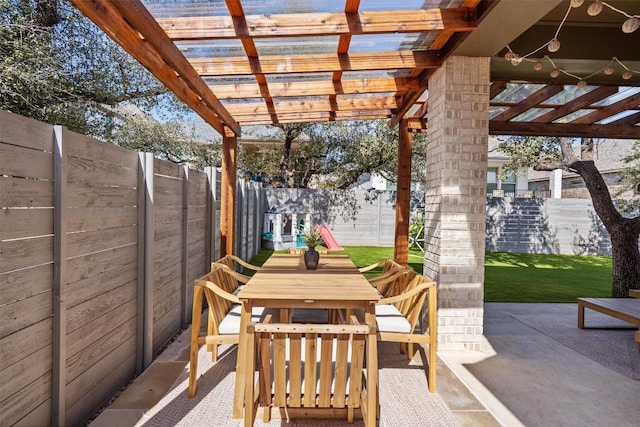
<point x="513" y="277"/>
<point x="545" y="278"/>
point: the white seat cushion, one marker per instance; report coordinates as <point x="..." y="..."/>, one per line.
<point x="231" y="323"/>
<point x="389" y="319"/>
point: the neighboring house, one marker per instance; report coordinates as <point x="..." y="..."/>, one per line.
<point x="504" y="183"/>
<point x="374" y="181"/>
<point x="608" y="157"/>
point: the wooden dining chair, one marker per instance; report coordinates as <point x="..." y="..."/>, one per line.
<point x="392" y="282"/>
<point x="397" y="317"/>
<point x="237" y="264"/>
<point x="223" y="319"/>
<point x="309" y="370"/>
<point x="386" y="263"/>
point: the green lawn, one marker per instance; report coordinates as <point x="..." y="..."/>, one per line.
<point x="545" y="278"/>
<point x="513" y="277"/>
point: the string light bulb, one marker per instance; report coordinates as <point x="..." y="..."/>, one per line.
<point x="594" y="8"/>
<point x="581" y="84"/>
<point x="630" y="25"/>
<point x="554" y="45"/>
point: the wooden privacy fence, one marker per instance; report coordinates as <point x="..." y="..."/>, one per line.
<point x="99" y="248"/>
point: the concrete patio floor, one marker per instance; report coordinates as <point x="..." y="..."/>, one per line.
<point x="522" y="377"/>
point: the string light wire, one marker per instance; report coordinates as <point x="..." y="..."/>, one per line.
<point x="554" y="44"/>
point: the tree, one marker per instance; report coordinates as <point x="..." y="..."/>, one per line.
<point x="547" y="154"/>
<point x="169" y="141"/>
<point x="631" y="180"/>
<point x="56" y="66"/>
<point x="340" y="152"/>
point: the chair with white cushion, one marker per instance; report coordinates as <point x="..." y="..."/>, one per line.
<point x="224" y="309"/>
<point x="397" y="317"/>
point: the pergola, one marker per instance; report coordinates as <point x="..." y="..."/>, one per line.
<point x="247" y="62"/>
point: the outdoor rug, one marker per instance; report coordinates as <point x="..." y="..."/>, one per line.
<point x="610" y="341"/>
<point x="404" y="397"/>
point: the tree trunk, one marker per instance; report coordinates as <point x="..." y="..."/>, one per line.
<point x="624" y="232"/>
<point x="626" y="260"/>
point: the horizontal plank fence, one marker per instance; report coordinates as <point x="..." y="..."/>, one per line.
<point x="99" y="248"/>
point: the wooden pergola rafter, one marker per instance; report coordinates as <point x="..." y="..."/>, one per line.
<point x="264" y="78"/>
<point x="337" y="71"/>
<point x="592" y="111"/>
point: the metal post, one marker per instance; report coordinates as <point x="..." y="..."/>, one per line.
<point x="148" y="261"/>
<point x="185" y="246"/>
<point x="59" y="345"/>
<point x="142" y="197"/>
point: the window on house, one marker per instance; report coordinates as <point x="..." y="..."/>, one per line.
<point x="509" y="182"/>
<point x="492" y="180"/>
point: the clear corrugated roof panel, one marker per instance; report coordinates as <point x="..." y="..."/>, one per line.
<point x="269" y="7"/>
<point x="575" y="115"/>
<point x="367" y="95"/>
<point x="211" y="48"/>
<point x="186" y="8"/>
<point x="569" y="94"/>
<point x="298" y="77"/>
<point x="382" y="74"/>
<point x="407" y="4"/>
<point x="390" y="42"/>
<point x="413" y="110"/>
<point x="531" y="114"/>
<point x="623" y="92"/>
<point x="196" y="8"/>
<point x="494" y="111"/>
<point x="242" y="101"/>
<point x="303" y="99"/>
<point x="297" y="45"/>
<point x="618" y="116"/>
<point x="515" y="93"/>
<point x="212" y="81"/>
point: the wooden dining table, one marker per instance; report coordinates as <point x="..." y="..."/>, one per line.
<point x="284" y="283"/>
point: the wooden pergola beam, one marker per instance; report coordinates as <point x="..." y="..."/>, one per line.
<point x="321" y="24"/>
<point x="189" y="87"/>
<point x="403" y="195"/>
<point x="319" y="63"/>
<point x="529" y="102"/>
<point x="240" y="24"/>
<point x="340" y="104"/>
<point x="581" y="102"/>
<point x="417" y="124"/>
<point x="325" y="117"/>
<point x="317" y="88"/>
<point x="630" y="102"/>
<point x="228" y="192"/>
<point x="564" y="129"/>
<point x="258" y="119"/>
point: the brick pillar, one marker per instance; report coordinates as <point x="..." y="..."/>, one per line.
<point x="458" y="118"/>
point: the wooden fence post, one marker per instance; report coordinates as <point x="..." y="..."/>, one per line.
<point x="59" y="345"/>
<point x="148" y="259"/>
<point x="185" y="311"/>
<point x="140" y="331"/>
